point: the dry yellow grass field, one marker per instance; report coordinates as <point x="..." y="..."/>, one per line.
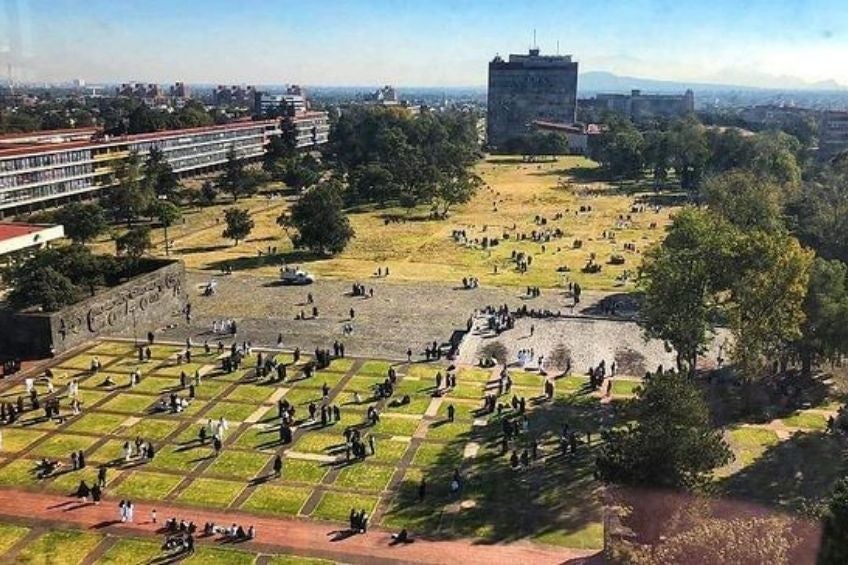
<point x="422" y="249"/>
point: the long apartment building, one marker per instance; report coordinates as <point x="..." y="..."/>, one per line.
<point x="45" y="169"/>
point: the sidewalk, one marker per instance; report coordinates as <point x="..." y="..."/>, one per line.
<point x="300" y="537"/>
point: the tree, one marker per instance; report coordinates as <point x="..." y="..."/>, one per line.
<point x="497" y="351"/>
<point x="657" y="156"/>
<point x="239" y="224"/>
<point x="680" y="279"/>
<point x="134" y="243"/>
<point x="208" y="192"/>
<point x="766" y="296"/>
<point x="234" y="180"/>
<point x="82" y="222"/>
<point x="371" y="183"/>
<point x="824" y="334"/>
<point x="45" y="287"/>
<point x="159" y="174"/>
<point x="689" y="151"/>
<point x="620" y="148"/>
<point x="671" y="445"/>
<point x="168" y="214"/>
<point x="319" y="221"/>
<point x="834" y="546"/>
<point x="130" y="196"/>
<point x="455" y="190"/>
<point x="745" y="200"/>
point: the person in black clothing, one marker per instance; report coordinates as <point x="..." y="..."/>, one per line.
<point x="278" y="466"/>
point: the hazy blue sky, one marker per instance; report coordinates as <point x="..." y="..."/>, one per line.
<point x="423" y="42"/>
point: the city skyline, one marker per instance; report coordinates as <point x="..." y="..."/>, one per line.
<point x="448" y="44"/>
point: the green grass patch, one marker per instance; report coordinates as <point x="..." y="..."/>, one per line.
<point x="231" y="411"/>
<point x="389" y="450"/>
<point x="17" y="439"/>
<point x="9" y="536"/>
<point x="155" y="385"/>
<point x="303" y="470"/>
<point x="432" y="454"/>
<point x="128" y="403"/>
<point x="151" y="429"/>
<point x="375" y="369"/>
<point x="59" y="547"/>
<point x="211" y="492"/>
<point x="336" y="505"/>
<point x="170" y="458"/>
<point x="238" y="465"/>
<point x="302" y="396"/>
<point x="275" y="499"/>
<point x="318" y="442"/>
<point x="250" y="393"/>
<point x="95" y="423"/>
<point x="364" y="476"/>
<point x="623" y="387"/>
<point x="146" y="486"/>
<point x="806" y="420"/>
<point x="208" y="555"/>
<point x="589" y="536"/>
<point x="60" y="446"/>
<point x="116" y="348"/>
<point x="18" y="473"/>
<point x="396" y="425"/>
<point x="128" y="551"/>
<point x="258" y="437"/>
<point x="443" y="430"/>
<point x="417" y="405"/>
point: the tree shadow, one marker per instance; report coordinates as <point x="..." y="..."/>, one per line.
<point x="258" y="261"/>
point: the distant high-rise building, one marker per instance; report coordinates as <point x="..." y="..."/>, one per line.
<point x="235" y="95"/>
<point x="180" y="91"/>
<point x="386" y="95"/>
<point x="529" y="88"/>
<point x="833" y="134"/>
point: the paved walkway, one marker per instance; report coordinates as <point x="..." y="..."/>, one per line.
<point x="299" y="537"/>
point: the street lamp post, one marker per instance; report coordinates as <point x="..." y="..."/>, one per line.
<point x="164" y="197"/>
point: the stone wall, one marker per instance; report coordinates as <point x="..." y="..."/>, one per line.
<point x="135" y="307"/>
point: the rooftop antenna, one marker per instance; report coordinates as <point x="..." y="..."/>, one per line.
<point x="557" y="47"/>
<point x="535" y="45"/>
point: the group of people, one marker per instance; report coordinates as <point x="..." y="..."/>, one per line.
<point x="95" y="491"/>
<point x="358" y="289"/>
<point x="226" y="326"/>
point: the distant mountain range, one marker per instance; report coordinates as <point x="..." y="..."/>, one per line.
<point x="592" y="82"/>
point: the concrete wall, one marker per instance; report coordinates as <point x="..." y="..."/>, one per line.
<point x="142" y="304"/>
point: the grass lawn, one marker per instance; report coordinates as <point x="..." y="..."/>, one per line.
<point x="336" y="505"/>
<point x="155" y="385"/>
<point x="208" y="555"/>
<point x="258" y="437"/>
<point x="96" y="423"/>
<point x="303" y="470"/>
<point x="253" y="394"/>
<point x="111" y="450"/>
<point x="59" y="547"/>
<point x="375" y="369"/>
<point x="151" y="429"/>
<point x="117" y="348"/>
<point x="444" y="430"/>
<point x="60" y="446"/>
<point x="389" y="450"/>
<point x="363" y="384"/>
<point x="231" y="411"/>
<point x="67" y="483"/>
<point x="623" y="387"/>
<point x="128" y="403"/>
<point x="129" y="551"/>
<point x="211" y="492"/>
<point x="319" y="442"/>
<point x="364" y="476"/>
<point x="146" y="486"/>
<point x="238" y="465"/>
<point x="17" y="439"/>
<point x="417" y="405"/>
<point x="210" y="388"/>
<point x="9" y="535"/>
<point x="430" y="454"/>
<point x="170" y="458"/>
<point x="806" y="420"/>
<point x="302" y="396"/>
<point x="396" y="425"/>
<point x="338" y="366"/>
<point x="17" y="473"/>
<point x="590" y="536"/>
<point x="277" y="499"/>
<point x="174" y="370"/>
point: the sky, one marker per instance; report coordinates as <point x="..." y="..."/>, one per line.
<point x="420" y="42"/>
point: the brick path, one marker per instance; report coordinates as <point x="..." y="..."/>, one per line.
<point x="295" y="536"/>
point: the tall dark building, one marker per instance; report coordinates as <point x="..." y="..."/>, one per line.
<point x="528" y="88"/>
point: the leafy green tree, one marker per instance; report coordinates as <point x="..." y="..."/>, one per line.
<point x="818" y="214"/>
<point x="45" y="287"/>
<point x="134" y="243"/>
<point x="620" y="149"/>
<point x="208" y="192"/>
<point x="82" y="222"/>
<point x="321" y="225"/>
<point x="765" y="307"/>
<point x="455" y="190"/>
<point x="168" y="214"/>
<point x="130" y="196"/>
<point x="657" y="155"/>
<point x="824" y="334"/>
<point x="235" y="179"/>
<point x="159" y="174"/>
<point x="239" y="224"/>
<point x="746" y="200"/>
<point x="371" y="183"/>
<point x="689" y="151"/>
<point x="834" y="545"/>
<point x="672" y="443"/>
<point x="680" y="279"/>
